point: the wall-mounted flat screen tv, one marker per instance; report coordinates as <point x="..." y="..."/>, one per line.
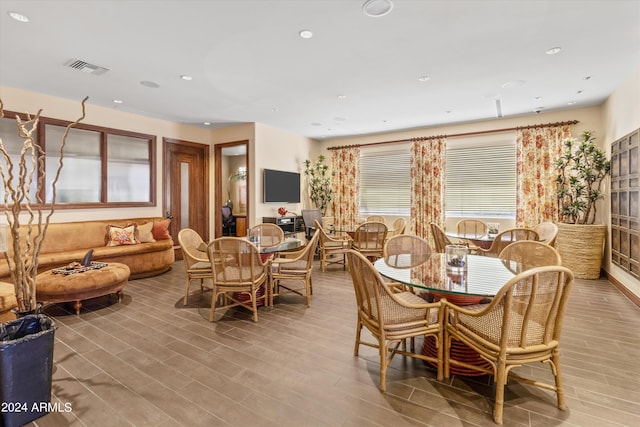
<point x="281" y="186"/>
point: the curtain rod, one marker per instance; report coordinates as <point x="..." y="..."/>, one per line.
<point x="453" y="135"/>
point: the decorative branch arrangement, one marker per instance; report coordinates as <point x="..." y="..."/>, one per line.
<point x="19" y="200"/>
<point x="581" y="169"/>
<point x="319" y="182"/>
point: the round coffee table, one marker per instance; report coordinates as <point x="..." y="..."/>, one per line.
<point x="52" y="287"/>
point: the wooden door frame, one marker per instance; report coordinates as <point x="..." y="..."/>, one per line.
<point x="166" y="143"/>
<point x="219" y="181"/>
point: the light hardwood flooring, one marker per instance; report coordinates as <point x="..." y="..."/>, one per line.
<point x="150" y="361"/>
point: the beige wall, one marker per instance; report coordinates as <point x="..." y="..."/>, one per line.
<point x="24" y="101"/>
<point x="281" y="150"/>
<point x="621" y="114"/>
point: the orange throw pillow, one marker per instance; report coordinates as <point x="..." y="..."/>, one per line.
<point x="160" y="229"/>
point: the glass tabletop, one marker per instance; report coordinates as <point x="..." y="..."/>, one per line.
<point x="483" y="238"/>
<point x="483" y="276"/>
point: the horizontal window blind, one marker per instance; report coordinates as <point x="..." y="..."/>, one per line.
<point x="481" y="181"/>
<point x="385" y="183"/>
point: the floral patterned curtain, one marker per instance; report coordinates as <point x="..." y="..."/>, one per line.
<point x="346" y="187"/>
<point x="536" y="152"/>
<point x="427" y="185"/>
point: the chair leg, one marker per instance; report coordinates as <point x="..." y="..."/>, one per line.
<point x="214" y="298"/>
<point x="500" y="379"/>
<point x="254" y="305"/>
<point x="186" y="291"/>
<point x="555" y="367"/>
<point x="358" y="330"/>
<point x="383" y="366"/>
<point x="446" y="350"/>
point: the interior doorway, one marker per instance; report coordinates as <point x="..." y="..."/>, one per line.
<point x="232" y="180"/>
<point x="186" y="188"/>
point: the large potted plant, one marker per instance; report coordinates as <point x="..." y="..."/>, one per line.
<point x="582" y="168"/>
<point x="26" y="344"/>
<point x="319" y="183"/>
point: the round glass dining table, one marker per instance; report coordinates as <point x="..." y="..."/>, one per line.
<point x="477" y="283"/>
<point x="482" y="276"/>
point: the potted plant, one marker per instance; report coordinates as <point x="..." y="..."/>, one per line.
<point x="582" y="168"/>
<point x="240" y="175"/>
<point x="26" y="344"/>
<point x="319" y="183"/>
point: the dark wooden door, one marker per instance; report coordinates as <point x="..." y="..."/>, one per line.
<point x="186" y="187"/>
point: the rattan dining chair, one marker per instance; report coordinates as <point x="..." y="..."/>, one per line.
<point x="471" y="228"/>
<point x="369" y="239"/>
<point x="398" y="227"/>
<point x="505" y="238"/>
<point x="270" y="234"/>
<point x="196" y="262"/>
<point x="520" y="326"/>
<point x="547" y="231"/>
<point x="293" y="266"/>
<point x="239" y="275"/>
<point x="392" y="317"/>
<point x="376" y="218"/>
<point x="531" y="254"/>
<point x="333" y="249"/>
<point x="405" y="251"/>
<point x="440" y="239"/>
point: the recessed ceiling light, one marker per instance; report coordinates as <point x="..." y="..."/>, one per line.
<point x="537" y="98"/>
<point x="274" y="109"/>
<point x="553" y="50"/>
<point x="447" y="112"/>
<point x="587" y="77"/>
<point x="152" y="85"/>
<point x="579" y="92"/>
<point x="377" y="8"/>
<point x="206" y="123"/>
<point x="424" y="78"/>
<point x="342" y="96"/>
<point x="186" y="77"/>
<point x="117" y="101"/>
<point x="18" y="16"/>
<point x="306" y="34"/>
<point x="571" y="102"/>
<point x="511" y="85"/>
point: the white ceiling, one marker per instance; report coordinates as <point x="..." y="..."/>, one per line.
<point x="249" y="64"/>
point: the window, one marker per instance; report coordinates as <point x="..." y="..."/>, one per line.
<point x="385" y="182"/>
<point x="101" y="167"/>
<point x="480" y="179"/>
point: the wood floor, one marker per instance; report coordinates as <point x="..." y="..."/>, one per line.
<point x="150" y="361"/>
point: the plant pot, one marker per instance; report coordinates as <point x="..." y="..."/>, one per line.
<point x="581" y="247"/>
<point x="26" y="367"/>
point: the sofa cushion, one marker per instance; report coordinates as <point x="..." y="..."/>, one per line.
<point x="117" y="236"/>
<point x="145" y="234"/>
<point x="161" y="229"/>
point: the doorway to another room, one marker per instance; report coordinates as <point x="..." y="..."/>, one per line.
<point x="231" y="189"/>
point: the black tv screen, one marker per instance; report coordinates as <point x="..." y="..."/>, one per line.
<point x="281" y="186"/>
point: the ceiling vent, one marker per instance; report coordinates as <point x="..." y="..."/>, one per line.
<point x="85" y="67"/>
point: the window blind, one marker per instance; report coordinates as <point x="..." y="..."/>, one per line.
<point x="481" y="181"/>
<point x="385" y="183"/>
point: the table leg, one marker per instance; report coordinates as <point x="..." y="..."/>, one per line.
<point x="77" y="305"/>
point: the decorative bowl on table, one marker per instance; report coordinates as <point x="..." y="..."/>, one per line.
<point x="282" y="211"/>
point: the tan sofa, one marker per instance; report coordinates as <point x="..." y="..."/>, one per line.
<point x="70" y="241"/>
